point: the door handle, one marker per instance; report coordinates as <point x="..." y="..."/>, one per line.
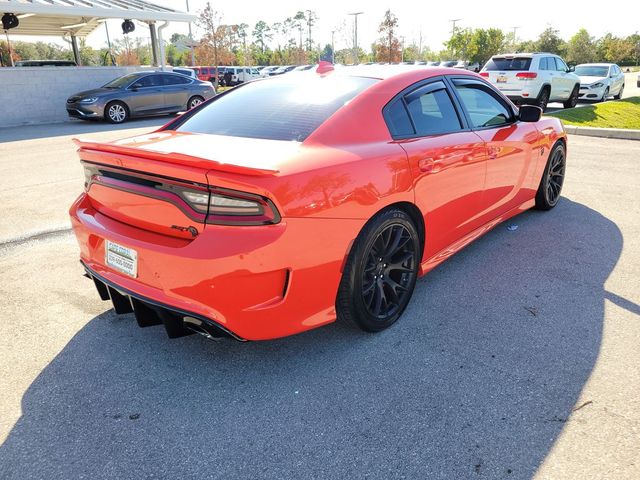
<point x="429" y="165"/>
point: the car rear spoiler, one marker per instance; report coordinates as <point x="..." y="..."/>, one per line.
<point x="171" y="157"/>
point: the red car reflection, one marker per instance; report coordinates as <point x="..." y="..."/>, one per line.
<point x="286" y="203"/>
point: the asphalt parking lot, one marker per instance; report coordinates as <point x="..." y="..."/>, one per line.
<point x="517" y="358"/>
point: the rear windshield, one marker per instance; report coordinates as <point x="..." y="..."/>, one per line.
<point x="279" y="108"/>
<point x="121" y="81"/>
<point x="592" y="71"/>
<point x="502" y="63"/>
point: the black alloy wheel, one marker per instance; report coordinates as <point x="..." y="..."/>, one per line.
<point x="381" y="273"/>
<point x="552" y="179"/>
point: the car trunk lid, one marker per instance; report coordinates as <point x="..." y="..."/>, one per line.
<point x="147" y="181"/>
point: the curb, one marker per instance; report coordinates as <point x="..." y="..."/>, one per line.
<point x="618" y="133"/>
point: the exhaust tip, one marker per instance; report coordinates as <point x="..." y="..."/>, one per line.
<point x="198" y="326"/>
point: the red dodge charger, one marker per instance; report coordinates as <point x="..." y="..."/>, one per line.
<point x="287" y="203"/>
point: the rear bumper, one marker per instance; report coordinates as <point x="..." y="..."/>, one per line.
<point x="255" y="283"/>
<point x="520" y="100"/>
<point x="149" y="312"/>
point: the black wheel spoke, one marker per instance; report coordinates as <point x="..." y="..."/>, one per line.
<point x="379" y="297"/>
<point x="389" y="271"/>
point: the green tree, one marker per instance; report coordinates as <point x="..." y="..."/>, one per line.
<point x="262" y="35"/>
<point x="615" y="50"/>
<point x="549" y="41"/>
<point x="581" y="48"/>
<point x="411" y="53"/>
<point x="327" y="53"/>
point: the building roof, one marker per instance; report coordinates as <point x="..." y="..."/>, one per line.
<point x="81" y="17"/>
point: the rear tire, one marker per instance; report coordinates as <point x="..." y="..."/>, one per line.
<point x="380" y="273"/>
<point x="543" y="98"/>
<point x="194" y="101"/>
<point x="550" y="187"/>
<point x="116" y="112"/>
<point x="573" y="99"/>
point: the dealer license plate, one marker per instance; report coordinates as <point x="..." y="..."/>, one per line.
<point x="121" y="258"/>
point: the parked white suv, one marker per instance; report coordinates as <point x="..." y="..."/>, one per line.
<point x="533" y="78"/>
<point x="599" y="80"/>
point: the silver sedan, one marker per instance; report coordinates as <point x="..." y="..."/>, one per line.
<point x="140" y="94"/>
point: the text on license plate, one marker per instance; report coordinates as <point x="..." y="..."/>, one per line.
<point x="502" y="79"/>
<point x="121" y="258"/>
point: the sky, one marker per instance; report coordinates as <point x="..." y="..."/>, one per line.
<point x="416" y="18"/>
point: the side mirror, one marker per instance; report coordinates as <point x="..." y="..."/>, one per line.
<point x="135" y="87"/>
<point x="571" y="69"/>
<point x="530" y="113"/>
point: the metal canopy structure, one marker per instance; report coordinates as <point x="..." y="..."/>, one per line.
<point x="78" y="18"/>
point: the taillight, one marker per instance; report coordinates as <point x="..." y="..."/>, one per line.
<point x="526" y="75"/>
<point x="231" y="207"/>
<point x="484" y="74"/>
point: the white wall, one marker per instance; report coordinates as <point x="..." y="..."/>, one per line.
<point x="31" y="95"/>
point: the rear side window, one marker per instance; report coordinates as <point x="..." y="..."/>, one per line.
<point x="398" y="119"/>
<point x="485" y="109"/>
<point x="506" y="64"/>
<point x="175" y="80"/>
<point x="280" y="108"/>
<point x="427" y="110"/>
<point x="432" y="110"/>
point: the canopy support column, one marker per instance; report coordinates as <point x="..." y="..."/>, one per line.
<point x="154" y="43"/>
<point x="76" y="51"/>
<point x="161" y="42"/>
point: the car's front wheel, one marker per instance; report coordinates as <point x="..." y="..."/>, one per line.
<point x="116" y="112"/>
<point x="572" y="101"/>
<point x="552" y="179"/>
<point x="619" y="95"/>
<point x="381" y="272"/>
<point x="605" y="95"/>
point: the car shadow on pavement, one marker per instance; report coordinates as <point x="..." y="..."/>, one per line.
<point x="477" y="379"/>
<point x="76" y="127"/>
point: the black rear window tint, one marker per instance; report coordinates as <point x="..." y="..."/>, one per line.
<point x="276" y="109"/>
<point x="505" y="64"/>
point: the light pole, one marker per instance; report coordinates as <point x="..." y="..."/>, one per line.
<point x="453" y="31"/>
<point x="333" y="48"/>
<point x="355" y="36"/>
<point x="193" y="54"/>
<point x="515" y="29"/>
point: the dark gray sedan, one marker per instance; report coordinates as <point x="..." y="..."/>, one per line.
<point x="140" y="94"/>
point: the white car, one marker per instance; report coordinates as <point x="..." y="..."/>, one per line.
<point x="240" y="75"/>
<point x="266" y="71"/>
<point x="188" y="72"/>
<point x="598" y="81"/>
<point x="533" y="78"/>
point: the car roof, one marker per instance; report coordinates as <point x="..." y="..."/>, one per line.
<point x="595" y="64"/>
<point x="383" y="72"/>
